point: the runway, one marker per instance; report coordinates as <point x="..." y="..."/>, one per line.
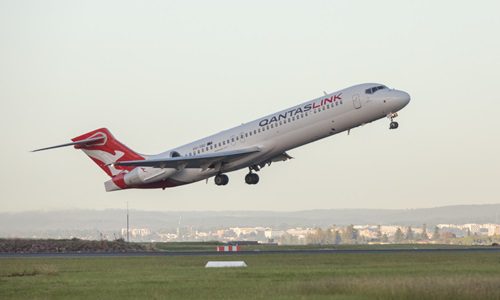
<point x="256" y="252"/>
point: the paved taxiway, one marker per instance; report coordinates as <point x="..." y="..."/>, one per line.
<point x="256" y="252"/>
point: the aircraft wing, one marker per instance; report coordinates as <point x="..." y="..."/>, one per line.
<point x="203" y="161"/>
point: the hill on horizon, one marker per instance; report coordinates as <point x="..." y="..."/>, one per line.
<point x="115" y="219"/>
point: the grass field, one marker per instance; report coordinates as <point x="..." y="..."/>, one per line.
<point x="422" y="275"/>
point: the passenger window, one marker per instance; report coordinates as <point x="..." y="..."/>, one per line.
<point x="267" y="127"/>
<point x="255" y="131"/>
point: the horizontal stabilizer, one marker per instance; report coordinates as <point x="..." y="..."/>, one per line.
<point x="86" y="142"/>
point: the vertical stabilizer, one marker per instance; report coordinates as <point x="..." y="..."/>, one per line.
<point x="106" y="150"/>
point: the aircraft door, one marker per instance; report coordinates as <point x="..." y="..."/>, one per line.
<point x="356" y="101"/>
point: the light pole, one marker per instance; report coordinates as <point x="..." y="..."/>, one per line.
<point x="127" y="225"/>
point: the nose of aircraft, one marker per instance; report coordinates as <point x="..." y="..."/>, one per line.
<point x="405" y="98"/>
<point x="401" y="99"/>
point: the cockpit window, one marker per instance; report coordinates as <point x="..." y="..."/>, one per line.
<point x="374" y="89"/>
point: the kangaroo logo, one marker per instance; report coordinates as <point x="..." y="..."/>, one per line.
<point x="106" y="158"/>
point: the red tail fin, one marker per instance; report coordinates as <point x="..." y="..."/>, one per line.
<point x="106" y="151"/>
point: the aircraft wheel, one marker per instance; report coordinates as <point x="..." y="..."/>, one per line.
<point x="221" y="179"/>
<point x="226" y="179"/>
<point x="393" y="125"/>
<point x="252" y="178"/>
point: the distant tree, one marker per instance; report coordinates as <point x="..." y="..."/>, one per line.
<point x="385" y="238"/>
<point x="337" y="238"/>
<point x="447" y="235"/>
<point x="379" y="232"/>
<point x="398" y="236"/>
<point x="330" y="236"/>
<point x="350" y="235"/>
<point x="311" y="238"/>
<point x="409" y="234"/>
<point x="435" y="235"/>
<point x="320" y="236"/>
<point x="424" y="236"/>
<point x="288" y="239"/>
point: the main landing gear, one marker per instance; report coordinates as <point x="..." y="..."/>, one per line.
<point x="221" y="179"/>
<point x="252" y="178"/>
<point x="393" y="124"/>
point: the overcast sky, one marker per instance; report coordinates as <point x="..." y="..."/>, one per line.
<point x="159" y="74"/>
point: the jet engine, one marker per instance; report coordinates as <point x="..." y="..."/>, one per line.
<point x="138" y="177"/>
<point x="145" y="175"/>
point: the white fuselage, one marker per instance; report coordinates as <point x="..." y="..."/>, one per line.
<point x="290" y="128"/>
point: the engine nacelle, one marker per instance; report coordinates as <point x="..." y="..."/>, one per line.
<point x="145" y="175"/>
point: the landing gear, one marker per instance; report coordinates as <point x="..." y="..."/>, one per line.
<point x="393" y="124"/>
<point x="221" y="179"/>
<point x="252" y="178"/>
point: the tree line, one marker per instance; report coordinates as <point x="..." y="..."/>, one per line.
<point x="349" y="235"/>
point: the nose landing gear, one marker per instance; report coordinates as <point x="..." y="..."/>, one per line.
<point x="393" y="124"/>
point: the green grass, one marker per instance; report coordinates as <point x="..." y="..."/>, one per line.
<point x="423" y="275"/>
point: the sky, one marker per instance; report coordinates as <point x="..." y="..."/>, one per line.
<point x="160" y="74"/>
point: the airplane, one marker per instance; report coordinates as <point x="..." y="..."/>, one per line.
<point x="252" y="145"/>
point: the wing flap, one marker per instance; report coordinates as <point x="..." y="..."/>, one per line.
<point x="203" y="161"/>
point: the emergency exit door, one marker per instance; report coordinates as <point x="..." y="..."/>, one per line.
<point x="356" y="102"/>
